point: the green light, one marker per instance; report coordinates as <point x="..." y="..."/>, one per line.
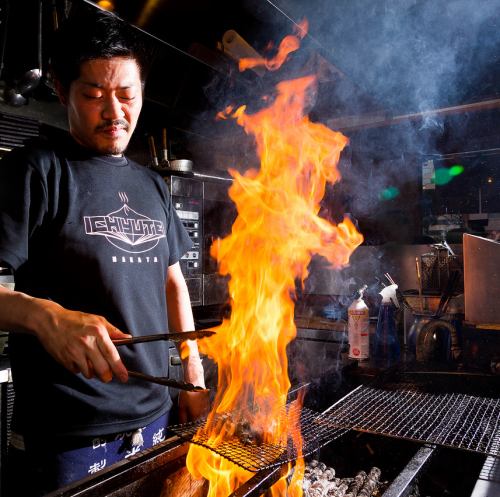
<point x="389" y="193"/>
<point x="456" y="170"/>
<point x="442" y="176"/>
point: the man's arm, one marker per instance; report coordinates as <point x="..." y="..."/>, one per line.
<point x="81" y="342"/>
<point x="180" y="318"/>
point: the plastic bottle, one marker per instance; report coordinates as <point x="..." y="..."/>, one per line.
<point x="358" y="328"/>
<point x="387" y="348"/>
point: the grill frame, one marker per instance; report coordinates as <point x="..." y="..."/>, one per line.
<point x="130" y="477"/>
<point x="449" y="419"/>
<point x="256" y="458"/>
<point x="123" y="479"/>
<point x="398" y="410"/>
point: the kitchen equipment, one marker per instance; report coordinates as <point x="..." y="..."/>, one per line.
<point x="481" y="280"/>
<point x="174" y="337"/>
<point x="236" y="47"/>
<point x="167" y="382"/>
<point x="164" y="150"/>
<point x="187" y="199"/>
<point x="431" y="338"/>
<point x="182" y="165"/>
<point x="419" y="281"/>
<point x="152" y="151"/>
<point x="402" y="462"/>
<point x="414" y="412"/>
<point x="438" y="341"/>
<point x="165" y="163"/>
<point x="447" y="293"/>
<point x="420" y="319"/>
<point x="262" y="456"/>
<point x="436" y="267"/>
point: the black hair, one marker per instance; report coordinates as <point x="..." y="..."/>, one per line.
<point x="89" y="35"/>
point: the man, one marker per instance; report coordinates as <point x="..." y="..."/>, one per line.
<point x="94" y="242"/>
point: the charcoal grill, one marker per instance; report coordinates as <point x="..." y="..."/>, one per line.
<point x="453" y="420"/>
<point x="419" y="425"/>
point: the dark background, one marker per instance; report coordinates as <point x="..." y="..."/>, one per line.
<point x="406" y="80"/>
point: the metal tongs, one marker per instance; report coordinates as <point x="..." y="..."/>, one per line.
<point x="166" y="382"/>
<point x="174" y="337"/>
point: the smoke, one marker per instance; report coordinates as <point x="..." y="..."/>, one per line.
<point x="386" y="58"/>
<point x="375" y="61"/>
<point x="413" y="55"/>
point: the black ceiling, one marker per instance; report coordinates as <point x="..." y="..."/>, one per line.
<point x="408" y="55"/>
<point x="385" y="57"/>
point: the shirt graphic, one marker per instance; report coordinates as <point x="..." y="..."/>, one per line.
<point x="126" y="229"/>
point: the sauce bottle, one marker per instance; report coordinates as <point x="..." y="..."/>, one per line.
<point x="358" y="331"/>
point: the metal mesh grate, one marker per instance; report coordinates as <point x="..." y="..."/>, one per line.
<point x="255" y="457"/>
<point x="455" y="420"/>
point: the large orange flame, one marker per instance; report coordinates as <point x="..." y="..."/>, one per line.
<point x="268" y="251"/>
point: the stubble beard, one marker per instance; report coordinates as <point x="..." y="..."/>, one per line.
<point x="115" y="150"/>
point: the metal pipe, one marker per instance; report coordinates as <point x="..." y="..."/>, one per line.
<point x="402" y="485"/>
<point x="486" y="151"/>
<point x="261" y="481"/>
<point x="430" y="328"/>
<point x="384" y="121"/>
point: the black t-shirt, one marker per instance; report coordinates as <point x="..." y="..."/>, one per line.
<point x="95" y="234"/>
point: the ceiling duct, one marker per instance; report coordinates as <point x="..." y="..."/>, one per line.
<point x="236" y="47"/>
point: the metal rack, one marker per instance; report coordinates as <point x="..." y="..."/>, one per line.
<point x="256" y="457"/>
<point x="453" y="420"/>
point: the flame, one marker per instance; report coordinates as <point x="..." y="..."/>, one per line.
<point x="272" y="241"/>
<point x="289" y="44"/>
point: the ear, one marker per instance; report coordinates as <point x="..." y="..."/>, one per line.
<point x="61" y="92"/>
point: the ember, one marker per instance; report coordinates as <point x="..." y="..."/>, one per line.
<point x="321" y="481"/>
<point x="272" y="241"/>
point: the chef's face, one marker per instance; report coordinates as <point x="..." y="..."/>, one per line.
<point x="104" y="104"/>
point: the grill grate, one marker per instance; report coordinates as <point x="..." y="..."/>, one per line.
<point x="454" y="420"/>
<point x="256" y="457"/>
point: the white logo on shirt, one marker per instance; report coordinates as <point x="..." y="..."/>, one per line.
<point x="126" y="229"/>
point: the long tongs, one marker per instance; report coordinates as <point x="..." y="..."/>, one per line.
<point x="166" y="382"/>
<point x="173" y="337"/>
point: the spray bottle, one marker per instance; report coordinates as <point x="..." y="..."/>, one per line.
<point x="387" y="349"/>
<point x="358" y="328"/>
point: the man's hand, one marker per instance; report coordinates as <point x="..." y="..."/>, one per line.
<point x="193" y="405"/>
<point x="81" y="342"/>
